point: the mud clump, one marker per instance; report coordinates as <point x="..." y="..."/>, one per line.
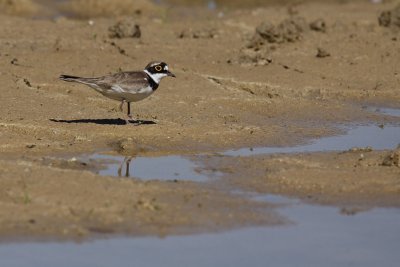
<point x="318" y="25"/>
<point x="253" y="57"/>
<point x="198" y="34"/>
<point x="266" y="37"/>
<point x="125" y="29"/>
<point x="128" y="146"/>
<point x="289" y="30"/>
<point x="390" y="18"/>
<point x="392" y="159"/>
<point x="321" y="53"/>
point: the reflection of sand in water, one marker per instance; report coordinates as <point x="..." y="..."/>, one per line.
<point x="99" y="8"/>
<point x="110" y="8"/>
<point x="78" y="8"/>
<point x="235" y="3"/>
<point x="18" y="7"/>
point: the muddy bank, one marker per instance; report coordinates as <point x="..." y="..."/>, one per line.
<point x="358" y="177"/>
<point x="39" y="201"/>
<point x="228" y="94"/>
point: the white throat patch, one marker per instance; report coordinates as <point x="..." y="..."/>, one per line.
<point x="157" y="76"/>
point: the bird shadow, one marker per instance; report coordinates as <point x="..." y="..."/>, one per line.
<point x="106" y="121"/>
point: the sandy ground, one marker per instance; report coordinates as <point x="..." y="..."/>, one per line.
<point x="238" y="84"/>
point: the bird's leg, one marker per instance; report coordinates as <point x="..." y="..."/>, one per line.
<point x="127" y="162"/>
<point x="122" y="105"/>
<point x="129" y="111"/>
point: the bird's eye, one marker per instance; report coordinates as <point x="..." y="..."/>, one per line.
<point x="158" y="68"/>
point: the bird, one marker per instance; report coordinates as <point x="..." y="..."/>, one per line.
<point x="126" y="86"/>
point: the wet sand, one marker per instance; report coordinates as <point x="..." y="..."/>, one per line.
<point x="358" y="178"/>
<point x="232" y="90"/>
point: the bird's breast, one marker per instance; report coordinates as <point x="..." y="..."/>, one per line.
<point x="119" y="93"/>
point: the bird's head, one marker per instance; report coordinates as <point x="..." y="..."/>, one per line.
<point x="158" y="70"/>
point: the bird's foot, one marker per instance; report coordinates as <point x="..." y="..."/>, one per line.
<point x="131" y="120"/>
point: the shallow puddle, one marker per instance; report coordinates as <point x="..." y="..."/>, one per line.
<point x="181" y="168"/>
<point x="150" y="168"/>
<point x="374" y="136"/>
<point x="377" y="137"/>
<point x="319" y="236"/>
<point x="387" y="111"/>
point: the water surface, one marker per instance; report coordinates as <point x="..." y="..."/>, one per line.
<point x="320" y="236"/>
<point x="191" y="168"/>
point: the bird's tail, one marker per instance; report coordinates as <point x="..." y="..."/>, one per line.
<point x="69" y="78"/>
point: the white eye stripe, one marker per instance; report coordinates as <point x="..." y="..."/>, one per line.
<point x="156" y="76"/>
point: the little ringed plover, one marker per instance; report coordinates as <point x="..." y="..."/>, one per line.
<point x="127" y="86"/>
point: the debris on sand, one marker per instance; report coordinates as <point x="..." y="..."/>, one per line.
<point x="321" y="53"/>
<point x="360" y="149"/>
<point x="72" y="163"/>
<point x="23" y="83"/>
<point x="198" y="34"/>
<point x="125" y="29"/>
<point x="253" y="57"/>
<point x="289" y="30"/>
<point x="392" y="159"/>
<point x="129" y="146"/>
<point x="390" y="18"/>
<point x="266" y="37"/>
<point x="318" y="25"/>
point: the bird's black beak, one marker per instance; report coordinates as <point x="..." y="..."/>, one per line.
<point x="171" y="74"/>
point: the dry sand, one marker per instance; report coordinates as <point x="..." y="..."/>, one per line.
<point x="235" y="87"/>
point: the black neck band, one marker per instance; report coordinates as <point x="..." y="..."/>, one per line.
<point x="153" y="83"/>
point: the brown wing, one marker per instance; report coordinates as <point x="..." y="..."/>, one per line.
<point x="131" y="81"/>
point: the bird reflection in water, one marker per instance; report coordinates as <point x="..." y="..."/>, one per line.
<point x="125" y="163"/>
